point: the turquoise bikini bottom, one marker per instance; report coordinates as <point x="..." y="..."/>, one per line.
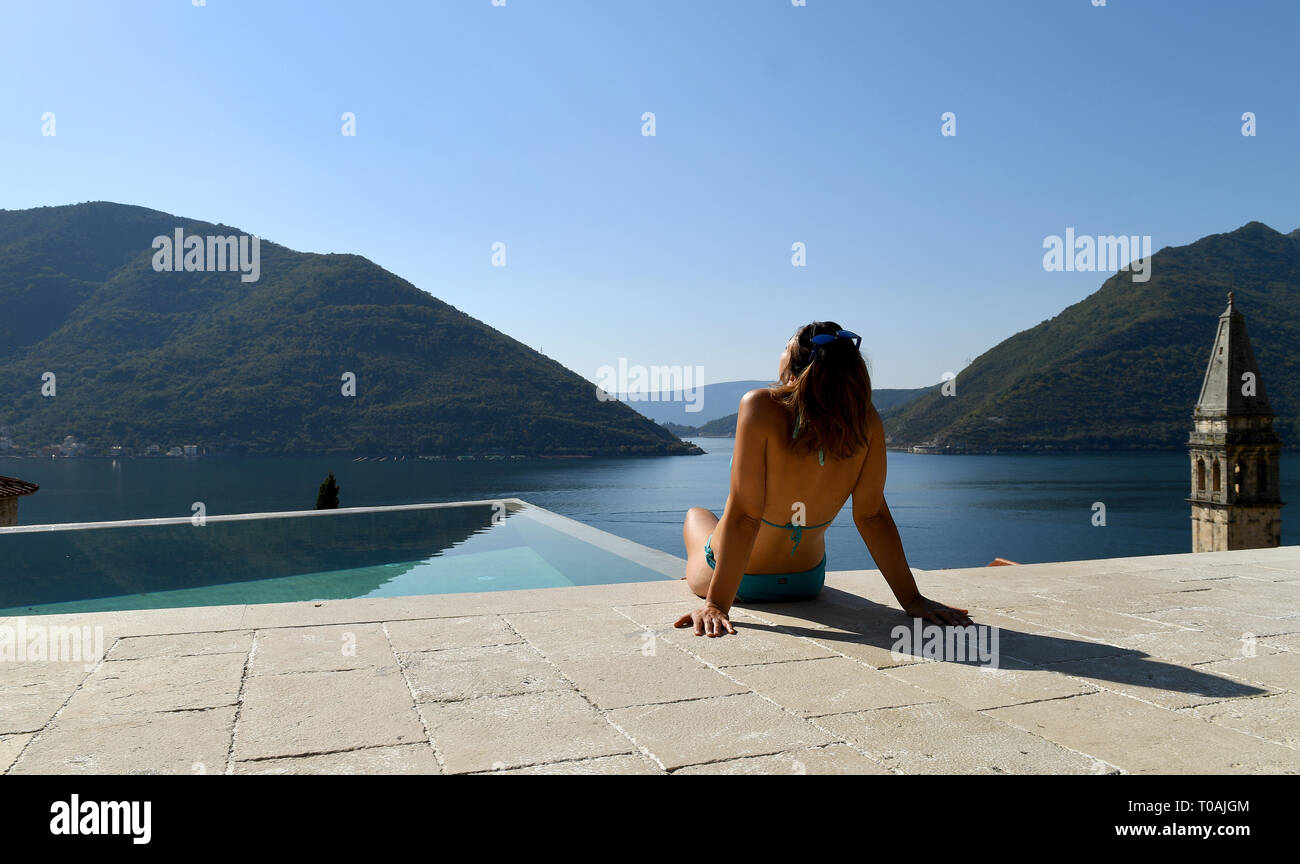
<point x="766" y="587"/>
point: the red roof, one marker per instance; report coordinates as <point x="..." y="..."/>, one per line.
<point x="12" y="487"/>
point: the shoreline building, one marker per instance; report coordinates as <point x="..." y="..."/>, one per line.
<point x="1236" y="491"/>
<point x="11" y="489"/>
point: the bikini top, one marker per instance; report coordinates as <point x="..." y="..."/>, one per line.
<point x="796" y="531"/>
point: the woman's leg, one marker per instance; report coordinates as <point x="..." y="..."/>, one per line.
<point x="699" y="524"/>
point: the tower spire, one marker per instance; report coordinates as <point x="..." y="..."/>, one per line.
<point x="1232" y="384"/>
<point x="1234" y="451"/>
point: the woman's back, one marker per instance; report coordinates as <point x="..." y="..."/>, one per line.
<point x="804" y="490"/>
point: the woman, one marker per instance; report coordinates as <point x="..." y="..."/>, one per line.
<point x="803" y="446"/>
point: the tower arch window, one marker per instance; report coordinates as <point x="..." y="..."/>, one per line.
<point x="1261" y="474"/>
<point x="1238" y="476"/>
<point x="1218" y="483"/>
<point x="1200" y="474"/>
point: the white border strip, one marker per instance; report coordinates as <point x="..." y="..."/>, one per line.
<point x="670" y="566"/>
<point x="511" y="504"/>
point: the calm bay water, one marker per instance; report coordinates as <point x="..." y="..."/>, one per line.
<point x="953" y="511"/>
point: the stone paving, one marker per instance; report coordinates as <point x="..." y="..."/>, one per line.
<point x="1168" y="664"/>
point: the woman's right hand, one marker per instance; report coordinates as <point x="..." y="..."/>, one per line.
<point x="936" y="612"/>
<point x="709" y="620"/>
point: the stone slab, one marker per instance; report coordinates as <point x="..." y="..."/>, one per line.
<point x="332" y="648"/>
<point x="436" y="634"/>
<point x="1154" y="680"/>
<point x="570" y="634"/>
<point x="980" y="687"/>
<point x="159" y="684"/>
<point x="1277" y="669"/>
<point x="182" y="645"/>
<point x="469" y="673"/>
<point x="10" y="747"/>
<point x="828" y="686"/>
<point x="669" y="675"/>
<point x="519" y="731"/>
<point x="709" y="730"/>
<point x="1089" y="623"/>
<point x="943" y="738"/>
<point x="1227" y="622"/>
<point x="1054" y="646"/>
<point x="1142" y="738"/>
<point x="321" y="712"/>
<point x="172" y="742"/>
<point x="1271" y="717"/>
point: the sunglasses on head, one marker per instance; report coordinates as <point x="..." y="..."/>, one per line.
<point x="823" y="339"/>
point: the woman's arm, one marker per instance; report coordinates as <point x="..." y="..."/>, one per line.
<point x="734" y="537"/>
<point x="880" y="533"/>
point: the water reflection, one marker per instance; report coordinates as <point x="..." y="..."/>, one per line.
<point x="61" y="566"/>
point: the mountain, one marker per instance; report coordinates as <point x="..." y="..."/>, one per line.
<point x="257" y="367"/>
<point x="711" y="400"/>
<point x="1122" y="368"/>
<point x="885" y="400"/>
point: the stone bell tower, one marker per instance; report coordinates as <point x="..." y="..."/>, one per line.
<point x="1236" y="496"/>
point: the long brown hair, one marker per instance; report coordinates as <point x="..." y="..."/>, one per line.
<point x="828" y="393"/>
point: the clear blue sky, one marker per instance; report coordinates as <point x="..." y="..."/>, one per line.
<point x="776" y="124"/>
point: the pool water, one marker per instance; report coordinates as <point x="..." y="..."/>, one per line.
<point x="316" y="555"/>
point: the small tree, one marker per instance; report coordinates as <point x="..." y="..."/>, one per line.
<point x="328" y="496"/>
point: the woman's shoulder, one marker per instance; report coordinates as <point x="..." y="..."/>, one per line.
<point x="761" y="401"/>
<point x="762" y="408"/>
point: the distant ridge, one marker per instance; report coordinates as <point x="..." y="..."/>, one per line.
<point x="1122" y="368"/>
<point x="695" y="408"/>
<point x="143" y="357"/>
<point x="885" y="400"/>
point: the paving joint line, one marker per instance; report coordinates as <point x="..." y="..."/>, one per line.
<point x="415" y="704"/>
<point x="312" y="753"/>
<point x="239" y="703"/>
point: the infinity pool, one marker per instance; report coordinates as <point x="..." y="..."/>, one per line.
<point x="311" y="555"/>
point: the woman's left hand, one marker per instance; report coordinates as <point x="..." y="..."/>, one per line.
<point x="709" y="620"/>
